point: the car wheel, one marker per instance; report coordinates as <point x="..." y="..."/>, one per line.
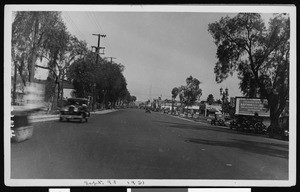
<point x="60" y="119"/>
<point x="82" y="118"/>
<point x="86" y="120"/>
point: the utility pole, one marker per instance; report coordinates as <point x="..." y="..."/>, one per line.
<point x="98" y="47"/>
<point x="97" y="52"/>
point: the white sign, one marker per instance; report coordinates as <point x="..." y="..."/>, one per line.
<point x="34" y="95"/>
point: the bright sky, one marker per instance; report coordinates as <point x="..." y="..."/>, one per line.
<point x="158" y="49"/>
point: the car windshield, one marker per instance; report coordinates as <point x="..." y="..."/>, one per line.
<point x="77" y="101"/>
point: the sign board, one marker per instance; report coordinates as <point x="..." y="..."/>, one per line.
<point x="250" y="106"/>
<point x="34" y="95"/>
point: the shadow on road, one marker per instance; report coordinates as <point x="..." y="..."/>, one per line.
<point x="262" y="148"/>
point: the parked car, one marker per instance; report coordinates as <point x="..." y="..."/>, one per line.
<point x="76" y="108"/>
<point x="218" y="120"/>
<point x="148" y="110"/>
<point x="259" y="127"/>
<point x="237" y="123"/>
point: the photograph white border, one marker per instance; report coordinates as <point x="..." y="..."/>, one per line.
<point x="291" y="9"/>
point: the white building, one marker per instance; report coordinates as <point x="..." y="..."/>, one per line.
<point x="212" y="109"/>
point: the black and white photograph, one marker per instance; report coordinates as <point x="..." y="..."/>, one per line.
<point x="150" y="95"/>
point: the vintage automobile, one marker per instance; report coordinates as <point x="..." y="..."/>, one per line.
<point x="260" y="128"/>
<point x="218" y="120"/>
<point x="76" y="108"/>
<point x="147" y="110"/>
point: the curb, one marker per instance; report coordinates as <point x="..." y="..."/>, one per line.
<point x="41" y="118"/>
<point x="197" y="121"/>
<point x="103" y="112"/>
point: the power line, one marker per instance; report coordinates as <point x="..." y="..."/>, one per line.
<point x="90" y="18"/>
<point x="95" y="19"/>
<point x="74" y="26"/>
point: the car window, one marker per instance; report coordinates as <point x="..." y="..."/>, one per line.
<point x="76" y="102"/>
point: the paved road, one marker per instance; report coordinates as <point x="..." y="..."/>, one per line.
<point x="131" y="144"/>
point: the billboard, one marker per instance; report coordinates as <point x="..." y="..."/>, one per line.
<point x="250" y="106"/>
<point x="34" y="95"/>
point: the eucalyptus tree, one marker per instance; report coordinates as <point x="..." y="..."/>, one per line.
<point x="41" y="39"/>
<point x="259" y="54"/>
<point x="28" y="31"/>
<point x="190" y="92"/>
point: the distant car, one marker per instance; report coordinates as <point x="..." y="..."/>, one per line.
<point x="76" y="108"/>
<point x="218" y="120"/>
<point x="147" y="110"/>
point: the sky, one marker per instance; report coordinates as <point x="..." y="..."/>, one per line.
<point x="158" y="49"/>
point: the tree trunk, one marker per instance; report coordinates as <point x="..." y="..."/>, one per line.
<point x="34" y="47"/>
<point x="58" y="94"/>
<point x="54" y="98"/>
<point x="62" y="90"/>
<point x="274" y="112"/>
<point x="15" y="84"/>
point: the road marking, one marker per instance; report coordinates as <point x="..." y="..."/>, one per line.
<point x="229" y="165"/>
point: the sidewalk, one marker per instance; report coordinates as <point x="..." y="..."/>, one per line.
<point x="43" y="116"/>
<point x="199" y="120"/>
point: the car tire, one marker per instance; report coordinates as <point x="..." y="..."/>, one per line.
<point x="60" y="119"/>
<point x="86" y="120"/>
<point x="83" y="118"/>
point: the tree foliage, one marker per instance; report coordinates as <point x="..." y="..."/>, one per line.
<point x="104" y="81"/>
<point x="259" y="54"/>
<point x="190" y="92"/>
<point x="41" y="39"/>
<point x="210" y="99"/>
<point x="175" y="92"/>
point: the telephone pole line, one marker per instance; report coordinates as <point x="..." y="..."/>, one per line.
<point x="98" y="47"/>
<point x="98" y="54"/>
<point x="111" y="58"/>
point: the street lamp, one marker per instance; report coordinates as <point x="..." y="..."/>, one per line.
<point x="224" y="95"/>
